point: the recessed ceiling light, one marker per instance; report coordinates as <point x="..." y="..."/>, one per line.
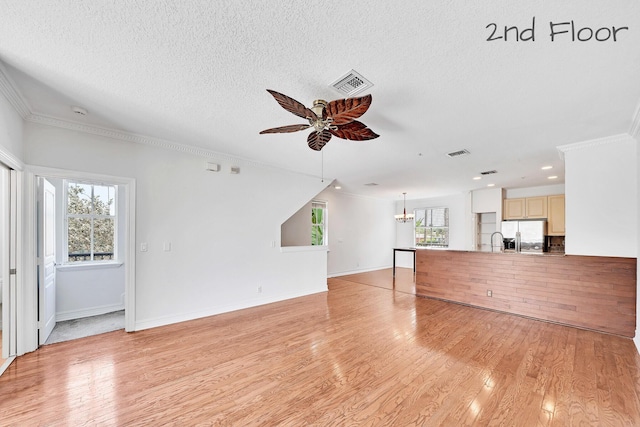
<point x="337" y="187"/>
<point x="476" y="178"/>
<point x="491" y="185"/>
<point x="544" y="168"/>
<point x="552" y="177"/>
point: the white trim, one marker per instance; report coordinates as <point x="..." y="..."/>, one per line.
<point x="88" y="265"/>
<point x="27" y="291"/>
<point x="168" y="320"/>
<point x="154" y="142"/>
<point x="130" y="268"/>
<point x="10" y="160"/>
<point x="29" y="329"/>
<point x="634" y="129"/>
<point x="92" y="216"/>
<point x="365" y="270"/>
<point x="88" y="312"/>
<point x="6" y="364"/>
<point x="316" y="248"/>
<point x="622" y="137"/>
<point x="10" y="91"/>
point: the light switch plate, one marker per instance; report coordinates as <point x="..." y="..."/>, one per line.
<point x="167" y="246"/>
<point x="144" y="247"/>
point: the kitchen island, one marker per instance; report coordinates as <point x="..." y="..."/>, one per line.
<point x="589" y="292"/>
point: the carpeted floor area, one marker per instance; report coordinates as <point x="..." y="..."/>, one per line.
<point x="87" y="326"/>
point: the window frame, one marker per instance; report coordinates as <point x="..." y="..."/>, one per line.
<point x="65" y="249"/>
<point x="431" y="227"/>
<point x="324" y="205"/>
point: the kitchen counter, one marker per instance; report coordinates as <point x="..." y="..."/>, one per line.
<point x="584" y="291"/>
<point x="507" y="252"/>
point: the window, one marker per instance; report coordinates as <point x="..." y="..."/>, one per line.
<point x="432" y="227"/>
<point x="90" y="220"/>
<point x="318" y="223"/>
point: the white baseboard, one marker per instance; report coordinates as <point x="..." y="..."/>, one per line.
<point x="183" y="317"/>
<point x="365" y="270"/>
<point x="88" y="312"/>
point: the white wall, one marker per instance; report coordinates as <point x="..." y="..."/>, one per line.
<point x="296" y="231"/>
<point x="460" y="231"/>
<point x="601" y="198"/>
<point x="360" y="230"/>
<point x="544" y="190"/>
<point x="224" y="229"/>
<point x="487" y="200"/>
<point x="11" y="129"/>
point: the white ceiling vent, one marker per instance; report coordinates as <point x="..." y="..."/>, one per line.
<point x="371" y="184"/>
<point x="458" y="153"/>
<point x="351" y="84"/>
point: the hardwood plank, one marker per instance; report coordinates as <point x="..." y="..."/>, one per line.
<point x="360" y="354"/>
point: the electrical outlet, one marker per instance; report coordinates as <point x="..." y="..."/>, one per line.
<point x="259" y="289"/>
<point x="489" y="293"/>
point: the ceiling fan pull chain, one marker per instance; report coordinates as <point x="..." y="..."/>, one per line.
<point x="322" y="167"/>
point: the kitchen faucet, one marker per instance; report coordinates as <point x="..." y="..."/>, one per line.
<point x="501" y="241"/>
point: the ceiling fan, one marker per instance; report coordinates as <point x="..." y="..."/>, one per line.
<point x="335" y="118"/>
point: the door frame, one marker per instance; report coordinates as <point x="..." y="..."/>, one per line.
<point x="30" y="338"/>
<point x="15" y="246"/>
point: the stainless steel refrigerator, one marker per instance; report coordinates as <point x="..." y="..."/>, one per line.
<point x="524" y="236"/>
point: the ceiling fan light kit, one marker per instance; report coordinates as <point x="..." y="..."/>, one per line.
<point x="334" y="118"/>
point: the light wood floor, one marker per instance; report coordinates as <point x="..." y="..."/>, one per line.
<point x="357" y="355"/>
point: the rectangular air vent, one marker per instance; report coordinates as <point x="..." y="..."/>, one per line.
<point x="371" y="184"/>
<point x="351" y="83"/>
<point x="458" y="153"/>
<point x="488" y="172"/>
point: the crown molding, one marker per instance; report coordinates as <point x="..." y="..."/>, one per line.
<point x="10" y="91"/>
<point x="153" y="142"/>
<point x="126" y="136"/>
<point x="623" y="137"/>
<point x="10" y="160"/>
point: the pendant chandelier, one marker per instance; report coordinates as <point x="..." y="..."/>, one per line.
<point x="404" y="217"/>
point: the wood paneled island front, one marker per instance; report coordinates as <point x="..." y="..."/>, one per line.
<point x="589" y="292"/>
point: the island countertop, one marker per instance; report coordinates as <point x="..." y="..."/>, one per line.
<point x="590" y="292"/>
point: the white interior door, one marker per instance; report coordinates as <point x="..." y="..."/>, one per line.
<point x="47" y="260"/>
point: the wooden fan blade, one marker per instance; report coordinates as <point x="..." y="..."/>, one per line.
<point x="286" y="129"/>
<point x="355" y="131"/>
<point x="317" y="140"/>
<point x="293" y="106"/>
<point x="347" y="110"/>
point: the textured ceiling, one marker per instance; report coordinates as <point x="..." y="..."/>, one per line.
<point x="195" y="72"/>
